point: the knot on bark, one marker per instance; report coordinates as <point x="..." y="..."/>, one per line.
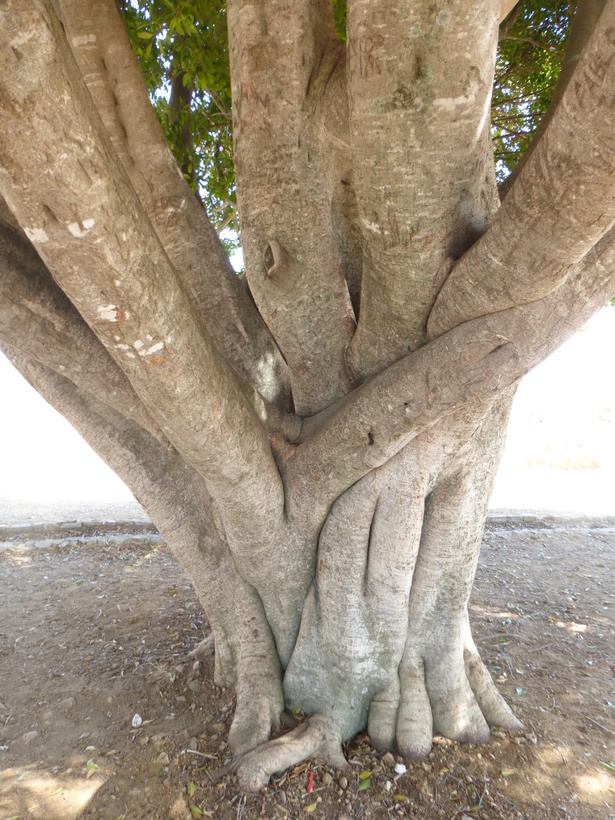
<point x="274" y="258"/>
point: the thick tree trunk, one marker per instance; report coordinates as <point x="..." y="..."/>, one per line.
<point x="319" y="451"/>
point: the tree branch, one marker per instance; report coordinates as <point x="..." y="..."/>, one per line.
<point x="179" y="110"/>
<point x="586" y="16"/>
<point x="282" y="54"/>
<point x="506" y="6"/>
<point x="560" y="206"/>
<point x="367" y="427"/>
<point x="422" y="158"/>
<point x="38" y="319"/>
<point x="112" y="73"/>
<point x="509" y="14"/>
<point x="61" y="179"/>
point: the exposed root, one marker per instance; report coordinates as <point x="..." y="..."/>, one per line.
<point x="414" y="719"/>
<point x="258" y="712"/>
<point x="493" y="706"/>
<point x="314" y="738"/>
<point x="382" y="719"/>
<point x="204" y="649"/>
<point x="451" y="694"/>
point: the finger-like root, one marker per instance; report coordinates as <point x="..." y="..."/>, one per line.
<point x="450" y="694"/>
<point x="414" y="719"/>
<point x="382" y="718"/>
<point x="493" y="706"/>
<point x="258" y="711"/>
<point x="314" y="738"/>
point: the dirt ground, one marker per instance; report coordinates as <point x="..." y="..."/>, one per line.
<point x="96" y="623"/>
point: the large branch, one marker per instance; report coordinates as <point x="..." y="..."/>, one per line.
<point x="101" y="46"/>
<point x="282" y="52"/>
<point x="61" y="178"/>
<point x="37" y="318"/>
<point x="422" y="158"/>
<point x="561" y="204"/>
<point x="178" y="502"/>
<point x="476" y="359"/>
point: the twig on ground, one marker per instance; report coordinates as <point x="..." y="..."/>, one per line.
<point x="610" y="731"/>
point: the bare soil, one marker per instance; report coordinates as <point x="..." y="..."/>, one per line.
<point x="96" y="624"/>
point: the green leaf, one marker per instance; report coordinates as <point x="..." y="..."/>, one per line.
<point x="57" y="791"/>
<point x="196" y="812"/>
<point x="364" y="785"/>
<point x="365" y="775"/>
<point x="400" y="798"/>
<point x="190" y="788"/>
<point x="310" y="808"/>
<point x="508" y="773"/>
<point x="608" y="766"/>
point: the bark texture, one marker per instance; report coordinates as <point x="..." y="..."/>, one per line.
<point x="318" y="446"/>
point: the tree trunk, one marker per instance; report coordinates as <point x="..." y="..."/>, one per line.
<point x="318" y="447"/>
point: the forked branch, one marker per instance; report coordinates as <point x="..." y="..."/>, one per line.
<point x="101" y="46"/>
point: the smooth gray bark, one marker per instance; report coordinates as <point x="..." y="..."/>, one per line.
<point x="395" y="307"/>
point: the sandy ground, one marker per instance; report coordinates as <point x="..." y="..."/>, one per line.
<point x="96" y="624"/>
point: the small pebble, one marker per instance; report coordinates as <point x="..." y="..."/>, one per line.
<point x="194" y="744"/>
<point x="389" y="760"/>
<point x="67" y="704"/>
<point x="532" y="738"/>
<point x="137" y="721"/>
<point x="30" y="736"/>
<point x="327" y="779"/>
<point x="343" y="781"/>
<point x="163" y="759"/>
<point x="400" y="768"/>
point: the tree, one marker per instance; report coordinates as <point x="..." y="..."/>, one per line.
<point x="317" y="440"/>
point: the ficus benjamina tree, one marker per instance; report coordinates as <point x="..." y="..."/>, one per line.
<point x="317" y="438"/>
